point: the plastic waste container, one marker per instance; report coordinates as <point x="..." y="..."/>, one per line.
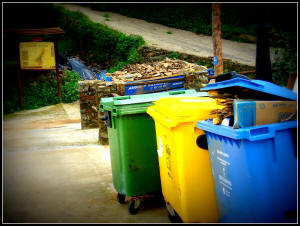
<point x="132" y="142"/>
<point x="254" y="171"/>
<point x="185" y="172"/>
<point x="259" y="89"/>
<point x="254" y="168"/>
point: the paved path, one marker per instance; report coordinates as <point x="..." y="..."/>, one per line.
<point x="54" y="172"/>
<point x="181" y="41"/>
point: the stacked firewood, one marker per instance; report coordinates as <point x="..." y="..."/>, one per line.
<point x="165" y="68"/>
<point x="225" y="112"/>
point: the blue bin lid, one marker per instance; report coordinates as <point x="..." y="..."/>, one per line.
<point x="257" y="85"/>
<point x="253" y="133"/>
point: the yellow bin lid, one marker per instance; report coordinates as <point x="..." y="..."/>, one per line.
<point x="171" y="111"/>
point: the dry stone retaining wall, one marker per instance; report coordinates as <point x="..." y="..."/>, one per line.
<point x="91" y="91"/>
<point x="90" y="94"/>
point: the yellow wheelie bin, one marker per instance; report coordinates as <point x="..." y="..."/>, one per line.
<point x="185" y="171"/>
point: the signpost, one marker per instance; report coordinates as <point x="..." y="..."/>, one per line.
<point x="37" y="55"/>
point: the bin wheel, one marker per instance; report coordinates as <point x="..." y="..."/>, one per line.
<point x="134" y="206"/>
<point x="121" y="198"/>
<point x="172" y="214"/>
<point x="174" y="219"/>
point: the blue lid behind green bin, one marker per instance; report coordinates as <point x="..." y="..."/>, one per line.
<point x="259" y="86"/>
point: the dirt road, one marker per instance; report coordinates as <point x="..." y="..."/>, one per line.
<point x="180" y="40"/>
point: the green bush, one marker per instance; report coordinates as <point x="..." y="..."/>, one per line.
<point x="96" y="42"/>
<point x="173" y="55"/>
<point x="10" y="100"/>
<point x="285" y="63"/>
<point x="69" y="91"/>
<point x="41" y="92"/>
<point x="66" y="46"/>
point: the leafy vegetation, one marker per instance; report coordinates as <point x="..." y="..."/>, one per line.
<point x="69" y="91"/>
<point x="173" y="55"/>
<point x="96" y="42"/>
<point x="66" y="46"/>
<point x="286" y="62"/>
<point x="107" y="17"/>
<point x="41" y="91"/>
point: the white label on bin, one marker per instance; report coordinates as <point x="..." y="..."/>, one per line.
<point x="226" y="185"/>
<point x="225" y="180"/>
<point x="160" y="147"/>
<point x="223" y="153"/>
<point x="226" y="192"/>
<point x="223" y="162"/>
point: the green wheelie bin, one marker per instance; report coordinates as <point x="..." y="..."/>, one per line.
<point x="132" y="141"/>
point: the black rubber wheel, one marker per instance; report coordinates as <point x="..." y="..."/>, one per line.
<point x="121" y="198"/>
<point x="134" y="206"/>
<point x="173" y="217"/>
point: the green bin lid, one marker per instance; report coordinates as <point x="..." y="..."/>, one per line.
<point x="138" y="103"/>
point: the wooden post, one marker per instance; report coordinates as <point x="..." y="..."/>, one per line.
<point x="19" y="78"/>
<point x="292" y="80"/>
<point x="216" y="37"/>
<point x="56" y="69"/>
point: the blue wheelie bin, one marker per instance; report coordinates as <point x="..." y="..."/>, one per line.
<point x="255" y="168"/>
<point x="254" y="171"/>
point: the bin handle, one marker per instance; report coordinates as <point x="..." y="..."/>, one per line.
<point x="101" y="107"/>
<point x="122" y="98"/>
<point x="104" y="118"/>
<point x="260" y="133"/>
<point x="177" y="92"/>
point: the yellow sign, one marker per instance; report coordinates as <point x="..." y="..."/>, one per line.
<point x="37" y="55"/>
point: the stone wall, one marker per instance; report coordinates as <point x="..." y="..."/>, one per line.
<point x="90" y="94"/>
<point x="91" y="91"/>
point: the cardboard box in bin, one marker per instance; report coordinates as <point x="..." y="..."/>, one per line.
<point x="251" y="113"/>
